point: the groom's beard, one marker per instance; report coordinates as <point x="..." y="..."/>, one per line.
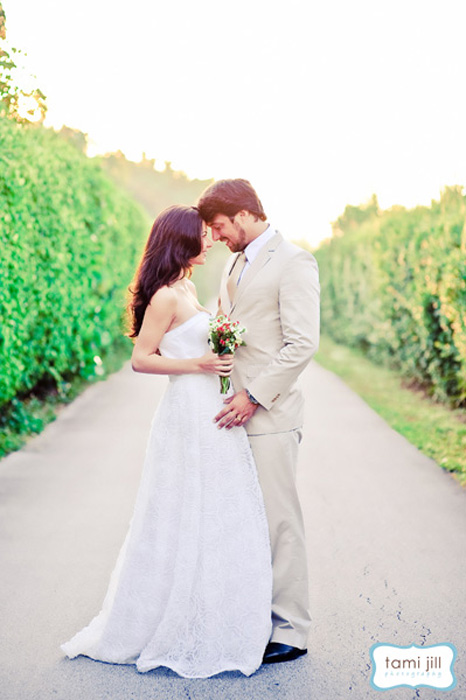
<point x="241" y="242"/>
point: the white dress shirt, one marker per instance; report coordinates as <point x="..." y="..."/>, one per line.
<point x="252" y="249"/>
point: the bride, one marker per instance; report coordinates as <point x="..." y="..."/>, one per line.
<point x="191" y="588"/>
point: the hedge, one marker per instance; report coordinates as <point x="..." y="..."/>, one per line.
<point x="395" y="286"/>
<point x="69" y="244"/>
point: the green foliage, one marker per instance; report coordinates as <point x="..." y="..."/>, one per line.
<point x="353" y="217"/>
<point x="70" y="242"/>
<point x="155" y="191"/>
<point x="396" y="288"/>
<point x="77" y="138"/>
<point x="437" y="430"/>
<point x="20" y="98"/>
<point x="29" y="414"/>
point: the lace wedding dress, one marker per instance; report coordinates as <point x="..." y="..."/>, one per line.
<point x="192" y="586"/>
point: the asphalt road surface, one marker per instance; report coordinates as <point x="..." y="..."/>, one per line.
<point x="386" y="531"/>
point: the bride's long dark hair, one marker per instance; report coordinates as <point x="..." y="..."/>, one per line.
<point x="175" y="238"/>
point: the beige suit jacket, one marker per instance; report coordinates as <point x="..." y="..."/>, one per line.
<point x="277" y="301"/>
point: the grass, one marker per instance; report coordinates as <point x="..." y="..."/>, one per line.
<point x="28" y="415"/>
<point x="436" y="430"/>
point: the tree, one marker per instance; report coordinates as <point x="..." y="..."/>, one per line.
<point x="353" y="217"/>
<point x="18" y="102"/>
<point x="75" y="137"/>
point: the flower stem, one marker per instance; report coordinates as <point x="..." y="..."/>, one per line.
<point x="224" y="384"/>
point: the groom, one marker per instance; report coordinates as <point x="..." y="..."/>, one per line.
<point x="272" y="287"/>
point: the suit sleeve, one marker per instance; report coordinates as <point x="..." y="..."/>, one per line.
<point x="299" y="308"/>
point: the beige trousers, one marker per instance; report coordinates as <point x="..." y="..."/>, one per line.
<point x="276" y="460"/>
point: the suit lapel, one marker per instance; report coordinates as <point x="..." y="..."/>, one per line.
<point x="262" y="259"/>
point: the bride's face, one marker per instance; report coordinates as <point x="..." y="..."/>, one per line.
<point x="206" y="244"/>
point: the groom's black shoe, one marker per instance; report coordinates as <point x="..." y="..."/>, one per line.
<point x="276" y="652"/>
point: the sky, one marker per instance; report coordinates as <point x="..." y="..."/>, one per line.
<point x="318" y="104"/>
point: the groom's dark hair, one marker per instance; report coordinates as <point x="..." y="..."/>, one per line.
<point x="228" y="197"/>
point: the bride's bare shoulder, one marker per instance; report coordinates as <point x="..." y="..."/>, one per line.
<point x="164" y="299"/>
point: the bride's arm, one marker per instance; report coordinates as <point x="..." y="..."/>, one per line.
<point x="159" y="316"/>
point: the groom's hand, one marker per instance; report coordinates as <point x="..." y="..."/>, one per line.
<point x="237" y="411"/>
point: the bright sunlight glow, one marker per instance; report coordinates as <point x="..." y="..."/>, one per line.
<point x="318" y="104"/>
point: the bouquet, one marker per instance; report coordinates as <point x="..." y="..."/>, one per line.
<point x="225" y="337"/>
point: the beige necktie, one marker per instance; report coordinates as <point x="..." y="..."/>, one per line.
<point x="235" y="274"/>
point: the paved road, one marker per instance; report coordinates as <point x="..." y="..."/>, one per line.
<point x="386" y="547"/>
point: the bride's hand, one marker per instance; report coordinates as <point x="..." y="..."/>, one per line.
<point x="216" y="364"/>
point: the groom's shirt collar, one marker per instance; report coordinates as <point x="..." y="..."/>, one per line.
<point x="252" y="249"/>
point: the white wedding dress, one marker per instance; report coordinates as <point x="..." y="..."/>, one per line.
<point x="192" y="586"/>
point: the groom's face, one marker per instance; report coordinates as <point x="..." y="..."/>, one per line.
<point x="229" y="231"/>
